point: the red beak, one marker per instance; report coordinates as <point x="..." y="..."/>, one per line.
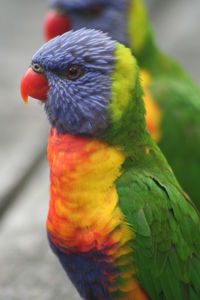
<point x="34" y="85"/>
<point x="55" y="24"/>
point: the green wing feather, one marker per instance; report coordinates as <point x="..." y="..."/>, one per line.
<point x="167" y="227"/>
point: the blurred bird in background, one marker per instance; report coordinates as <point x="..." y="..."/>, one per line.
<point x="118" y="220"/>
<point x="172" y="100"/>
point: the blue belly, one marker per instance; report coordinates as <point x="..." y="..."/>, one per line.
<point x="87" y="272"/>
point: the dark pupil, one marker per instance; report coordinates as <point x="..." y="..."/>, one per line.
<point x="37" y="68"/>
<point x="73" y="72"/>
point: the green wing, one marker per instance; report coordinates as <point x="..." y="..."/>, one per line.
<point x="180" y="141"/>
<point x="167" y="243"/>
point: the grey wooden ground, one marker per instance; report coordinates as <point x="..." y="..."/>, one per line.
<point x="23" y="130"/>
<point x="28" y="268"/>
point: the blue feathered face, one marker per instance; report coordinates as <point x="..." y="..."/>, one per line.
<point x="78" y="66"/>
<point x="107" y="15"/>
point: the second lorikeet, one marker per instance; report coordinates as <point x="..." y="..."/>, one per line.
<point x="118" y="220"/>
<point x="172" y="100"/>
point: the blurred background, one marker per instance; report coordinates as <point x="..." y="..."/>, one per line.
<point x="28" y="268"/>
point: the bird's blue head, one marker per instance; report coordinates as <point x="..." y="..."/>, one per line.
<point x="106" y="15"/>
<point x="77" y="66"/>
<point x="86" y="81"/>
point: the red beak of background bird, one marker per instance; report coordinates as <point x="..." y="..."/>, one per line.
<point x="34" y="85"/>
<point x="55" y="24"/>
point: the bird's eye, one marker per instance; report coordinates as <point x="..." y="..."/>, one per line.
<point x="37" y="68"/>
<point x="74" y="72"/>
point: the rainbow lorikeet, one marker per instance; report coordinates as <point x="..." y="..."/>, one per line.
<point x="118" y="220"/>
<point x="172" y="100"/>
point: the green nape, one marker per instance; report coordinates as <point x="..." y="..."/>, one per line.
<point x="128" y="129"/>
<point x="127" y="122"/>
